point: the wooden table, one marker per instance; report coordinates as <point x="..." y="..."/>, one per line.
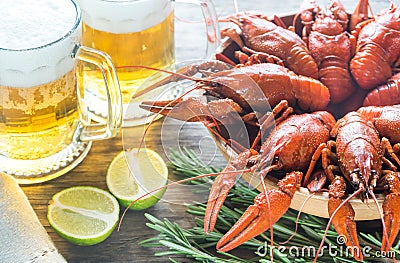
<point x="123" y="246"/>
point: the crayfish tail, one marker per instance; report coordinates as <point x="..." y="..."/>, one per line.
<point x="370" y="67"/>
<point x="338" y="81"/>
<point x="306" y="90"/>
<point x="301" y="62"/>
<point x="386" y="94"/>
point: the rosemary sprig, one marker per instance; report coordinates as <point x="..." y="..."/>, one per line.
<point x="194" y="244"/>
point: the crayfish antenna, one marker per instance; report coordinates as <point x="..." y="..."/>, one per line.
<point x="191" y="69"/>
<point x="163" y="107"/>
<point x="236" y="146"/>
<point x="174" y="183"/>
<point x="298" y="218"/>
<point x="177" y="75"/>
<point x="160" y="111"/>
<point x="314" y="186"/>
<point x="384" y="229"/>
<point x="159" y="84"/>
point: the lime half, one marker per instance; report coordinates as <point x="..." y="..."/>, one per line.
<point x="83" y="215"/>
<point x="146" y="172"/>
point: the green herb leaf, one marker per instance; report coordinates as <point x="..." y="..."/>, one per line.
<point x="195" y="244"/>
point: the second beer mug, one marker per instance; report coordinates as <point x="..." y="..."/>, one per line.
<point x="44" y="128"/>
<point x="135" y="33"/>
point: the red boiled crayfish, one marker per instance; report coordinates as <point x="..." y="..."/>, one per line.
<point x="358" y="158"/>
<point x="377" y="48"/>
<point x="360" y="153"/>
<point x="293" y="146"/>
<point x="259" y="35"/>
<point x="248" y="89"/>
<point x="331" y="47"/>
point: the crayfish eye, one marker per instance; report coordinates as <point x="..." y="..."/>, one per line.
<point x="251" y="162"/>
<point x="213" y="84"/>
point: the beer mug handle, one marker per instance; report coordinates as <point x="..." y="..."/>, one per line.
<point x="211" y="21"/>
<point x="99" y="131"/>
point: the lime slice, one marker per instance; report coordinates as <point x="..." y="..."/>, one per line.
<point x="83" y="215"/>
<point x="147" y="171"/>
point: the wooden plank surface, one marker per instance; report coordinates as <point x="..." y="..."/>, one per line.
<point x="122" y="246"/>
<point x="164" y="134"/>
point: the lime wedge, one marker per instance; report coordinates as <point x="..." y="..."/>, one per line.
<point x="147" y="171"/>
<point x="83" y="215"/>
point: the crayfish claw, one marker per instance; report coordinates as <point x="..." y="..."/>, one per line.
<point x="260" y="216"/>
<point x="221" y="186"/>
<point x="219" y="191"/>
<point x="391" y="210"/>
<point x="343" y="219"/>
<point x="177" y="108"/>
<point x="249" y="225"/>
<point x="256" y="219"/>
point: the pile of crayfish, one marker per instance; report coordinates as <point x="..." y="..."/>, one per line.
<point x="315" y="103"/>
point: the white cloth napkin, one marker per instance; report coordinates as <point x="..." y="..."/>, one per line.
<point x="23" y="238"/>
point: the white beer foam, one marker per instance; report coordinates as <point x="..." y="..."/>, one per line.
<point x="29" y="53"/>
<point x="124" y="16"/>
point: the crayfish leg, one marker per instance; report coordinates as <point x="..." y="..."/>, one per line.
<point x="360" y="14"/>
<point x="387" y="147"/>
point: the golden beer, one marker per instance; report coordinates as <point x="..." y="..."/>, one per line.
<point x="153" y="47"/>
<point x="44" y="128"/>
<point x="133" y="33"/>
<point x="39" y="121"/>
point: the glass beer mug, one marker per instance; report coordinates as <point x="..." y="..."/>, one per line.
<point x="135" y="33"/>
<point x="45" y="130"/>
